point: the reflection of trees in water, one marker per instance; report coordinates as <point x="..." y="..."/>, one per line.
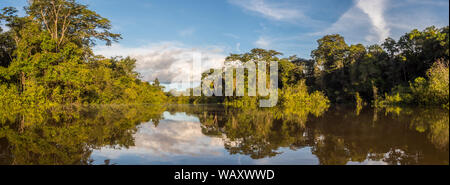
<point x="253" y="132"/>
<point x="67" y="135"/>
<point x="337" y="137"/>
<point x="390" y="138"/>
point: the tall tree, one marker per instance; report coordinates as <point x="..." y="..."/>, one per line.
<point x="67" y="20"/>
<point x="330" y="57"/>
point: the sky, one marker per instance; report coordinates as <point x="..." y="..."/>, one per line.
<point x="161" y="33"/>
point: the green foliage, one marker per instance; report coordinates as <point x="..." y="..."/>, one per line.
<point x="69" y="21"/>
<point x="46" y="58"/>
<point x="9" y="95"/>
<point x="439" y="83"/>
<point x="344" y="72"/>
<point x="359" y="103"/>
<point x="46" y="61"/>
<point x="243" y="102"/>
<point x="296" y="98"/>
<point x="341" y="70"/>
<point x="291" y="84"/>
<point x="431" y="91"/>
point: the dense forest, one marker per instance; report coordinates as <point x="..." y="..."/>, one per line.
<point x="46" y="57"/>
<point x="411" y="71"/>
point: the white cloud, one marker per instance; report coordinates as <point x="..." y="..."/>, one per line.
<point x="375" y="11"/>
<point x="170" y="139"/>
<point x="263" y="42"/>
<point x="167" y="61"/>
<point x="364" y="22"/>
<point x="271" y="10"/>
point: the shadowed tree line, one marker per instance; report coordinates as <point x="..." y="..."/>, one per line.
<point x="376" y="71"/>
<point x="412" y="70"/>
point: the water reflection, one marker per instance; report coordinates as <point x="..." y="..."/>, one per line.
<point x="220" y="135"/>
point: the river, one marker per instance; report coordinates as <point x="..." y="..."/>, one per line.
<point x="212" y="134"/>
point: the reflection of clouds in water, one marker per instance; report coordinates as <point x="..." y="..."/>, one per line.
<point x="289" y="157"/>
<point x="367" y="162"/>
<point x="180" y="117"/>
<point x="177" y="138"/>
<point x="171" y="138"/>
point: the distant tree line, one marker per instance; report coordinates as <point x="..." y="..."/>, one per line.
<point x="412" y="70"/>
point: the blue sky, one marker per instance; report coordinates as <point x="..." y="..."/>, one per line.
<point x="157" y="31"/>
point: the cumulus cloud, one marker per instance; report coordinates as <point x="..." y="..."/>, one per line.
<point x="167" y="61"/>
<point x="263" y="42"/>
